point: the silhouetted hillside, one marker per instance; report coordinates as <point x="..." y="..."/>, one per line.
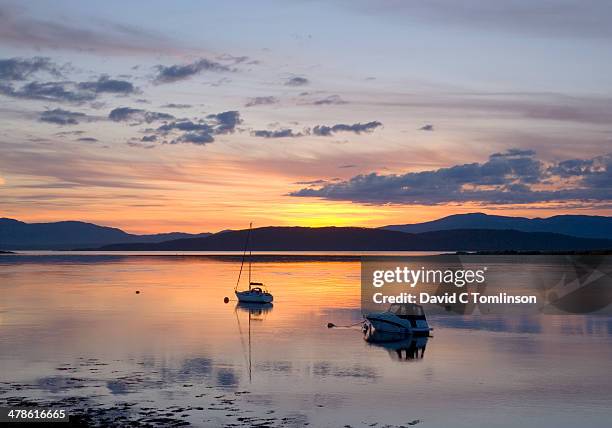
<point x="17" y="235"/>
<point x="584" y="226"/>
<point x="363" y="239"/>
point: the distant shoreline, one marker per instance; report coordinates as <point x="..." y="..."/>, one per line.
<point x="291" y="255"/>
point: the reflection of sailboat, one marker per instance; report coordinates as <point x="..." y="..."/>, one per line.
<point x="256" y="312"/>
<point x="256" y="292"/>
<point x="409" y="349"/>
<point x="399" y="321"/>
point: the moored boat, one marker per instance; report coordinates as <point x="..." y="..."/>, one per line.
<point x="256" y="293"/>
<point x="398" y="321"/>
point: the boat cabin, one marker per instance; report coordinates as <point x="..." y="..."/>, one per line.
<point x="408" y="311"/>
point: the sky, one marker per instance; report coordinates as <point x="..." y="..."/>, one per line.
<point x="202" y="116"/>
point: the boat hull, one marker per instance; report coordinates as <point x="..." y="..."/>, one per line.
<point x="249" y="296"/>
<point x="391" y="327"/>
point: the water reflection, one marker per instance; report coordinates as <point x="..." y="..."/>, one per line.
<point x="75" y="328"/>
<point x="409" y="349"/>
<point x="256" y="312"/>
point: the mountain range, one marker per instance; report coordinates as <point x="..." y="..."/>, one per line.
<point x="64" y="235"/>
<point x="584" y="226"/>
<point x="470" y="232"/>
<point x="364" y="239"/>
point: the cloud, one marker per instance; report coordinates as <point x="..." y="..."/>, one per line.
<point x="330" y="100"/>
<point x="198" y="138"/>
<point x="48" y="91"/>
<point x="312" y="182"/>
<point x="174" y="73"/>
<point x="357" y="128"/>
<point x="427" y="127"/>
<point x="281" y="133"/>
<point x="61" y="117"/>
<point x="175" y="105"/>
<point x="258" y="101"/>
<point x="319" y="130"/>
<point x="198" y="132"/>
<point x="107" y="85"/>
<point x="226" y="122"/>
<point x="124" y="114"/>
<point x="22" y="31"/>
<point x="23" y="68"/>
<point x="88" y="140"/>
<point x="297" y="81"/>
<point x="512" y="177"/>
<point x="67" y="91"/>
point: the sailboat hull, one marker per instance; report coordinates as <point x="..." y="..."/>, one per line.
<point x="251" y="296"/>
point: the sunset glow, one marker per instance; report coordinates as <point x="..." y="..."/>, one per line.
<point x="289" y="126"/>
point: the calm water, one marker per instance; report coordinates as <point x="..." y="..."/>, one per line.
<point x="73" y="330"/>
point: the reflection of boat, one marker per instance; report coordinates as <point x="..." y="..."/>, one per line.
<point x="256" y="312"/>
<point x="409" y="349"/>
<point x="256" y="292"/>
<point x="398" y="321"/>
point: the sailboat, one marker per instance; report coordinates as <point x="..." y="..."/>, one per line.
<point x="257" y="292"/>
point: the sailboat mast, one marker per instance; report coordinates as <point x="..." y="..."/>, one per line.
<point x="250" y="227"/>
<point x="246" y="245"/>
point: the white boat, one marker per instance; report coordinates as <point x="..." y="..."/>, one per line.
<point x="398" y="321"/>
<point x="257" y="292"/>
<point x="254" y="295"/>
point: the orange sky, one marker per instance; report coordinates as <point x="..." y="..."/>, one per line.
<point x="174" y="165"/>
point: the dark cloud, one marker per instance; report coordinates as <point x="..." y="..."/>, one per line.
<point x="48" y="91"/>
<point x="281" y="133"/>
<point x="198" y="138"/>
<point x="258" y="101"/>
<point x="319" y="130"/>
<point x="331" y="100"/>
<point x="174" y="73"/>
<point x="357" y="128"/>
<point x="512" y="177"/>
<point x="199" y="132"/>
<point x="124" y="114"/>
<point x="108" y="85"/>
<point x="67" y="133"/>
<point x="226" y="122"/>
<point x="61" y="117"/>
<point x="297" y="81"/>
<point x="186" y="125"/>
<point x="312" y="182"/>
<point x="427" y="127"/>
<point x="67" y="91"/>
<point x="87" y="139"/>
<point x="175" y="105"/>
<point x="23" y="68"/>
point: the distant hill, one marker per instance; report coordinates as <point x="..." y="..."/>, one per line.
<point x="584" y="226"/>
<point x="363" y="239"/>
<point x="17" y="235"/>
